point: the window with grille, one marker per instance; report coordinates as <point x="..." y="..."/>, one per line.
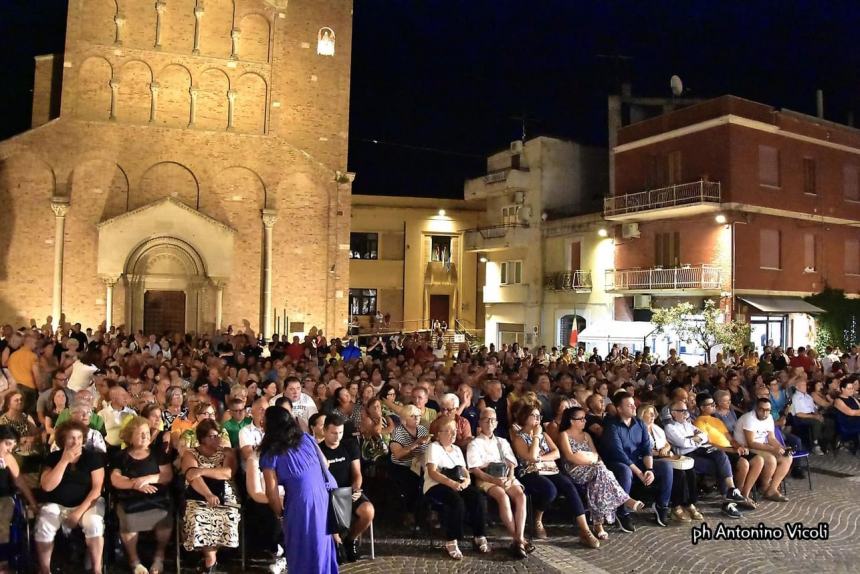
<point x="511" y="214"/>
<point x="364" y="246"/>
<point x="362" y="301"/>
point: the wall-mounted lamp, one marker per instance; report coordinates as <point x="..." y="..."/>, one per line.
<point x="720" y="218"/>
<point x="442" y="212"/>
<point x="602" y="232"/>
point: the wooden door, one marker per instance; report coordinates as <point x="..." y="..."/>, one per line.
<point x="440" y="308"/>
<point x="164" y="311"/>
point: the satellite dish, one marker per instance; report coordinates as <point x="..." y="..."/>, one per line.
<point x="677" y="85"/>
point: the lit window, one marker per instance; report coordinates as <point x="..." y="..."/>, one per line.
<point x="362" y="301"/>
<point x="363" y="245"/>
<point x="511" y="273"/>
<point x="325" y="42"/>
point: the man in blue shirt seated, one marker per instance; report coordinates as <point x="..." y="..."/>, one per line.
<point x="626" y="450"/>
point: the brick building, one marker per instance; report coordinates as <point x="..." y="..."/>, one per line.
<point x="735" y="201"/>
<point x="189" y="173"/>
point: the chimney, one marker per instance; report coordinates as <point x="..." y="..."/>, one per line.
<point x="47" y="81"/>
<point x="819" y="103"/>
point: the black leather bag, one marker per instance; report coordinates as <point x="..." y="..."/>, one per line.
<point x="498" y="469"/>
<point x="339" y="507"/>
<point x="457" y="473"/>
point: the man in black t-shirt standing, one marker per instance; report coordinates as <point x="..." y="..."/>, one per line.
<point x="344" y="463"/>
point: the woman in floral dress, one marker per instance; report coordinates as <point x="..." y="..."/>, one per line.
<point x="582" y="463"/>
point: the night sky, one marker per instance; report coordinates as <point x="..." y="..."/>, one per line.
<point x="439" y="83"/>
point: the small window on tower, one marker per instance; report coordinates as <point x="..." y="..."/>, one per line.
<point x="325" y="42"/>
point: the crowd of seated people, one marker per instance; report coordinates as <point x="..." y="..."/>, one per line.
<point x="163" y="432"/>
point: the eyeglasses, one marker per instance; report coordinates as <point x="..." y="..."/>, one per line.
<point x="680" y="411"/>
<point x="708" y="404"/>
<point x="212" y="435"/>
<point x="577" y="418"/>
<point x="535" y="415"/>
<point x="765" y="410"/>
<point x="207" y="414"/>
<point x="489" y="420"/>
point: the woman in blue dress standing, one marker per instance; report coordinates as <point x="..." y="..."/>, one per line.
<point x="292" y="459"/>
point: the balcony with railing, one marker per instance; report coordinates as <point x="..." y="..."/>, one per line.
<point x="577" y="281"/>
<point x="497" y="237"/>
<point x="501" y="181"/>
<point x="686" y="277"/>
<point x="681" y="200"/>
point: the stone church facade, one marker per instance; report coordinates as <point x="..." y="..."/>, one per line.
<point x="196" y="174"/>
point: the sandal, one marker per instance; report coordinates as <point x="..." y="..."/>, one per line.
<point x="540" y="531"/>
<point x="518" y="550"/>
<point x="638" y="506"/>
<point x="600" y="532"/>
<point x="157" y="566"/>
<point x="139" y="568"/>
<point x="528" y="547"/>
<point x="480" y="544"/>
<point x="453" y="551"/>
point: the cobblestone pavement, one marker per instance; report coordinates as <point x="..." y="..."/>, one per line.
<point x="835" y="501"/>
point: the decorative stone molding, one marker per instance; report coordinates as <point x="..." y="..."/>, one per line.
<point x="175" y="202"/>
<point x="270" y="217"/>
<point x="60" y="206"/>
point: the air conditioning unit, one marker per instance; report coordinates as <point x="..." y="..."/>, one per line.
<point x="642" y="301"/>
<point x="630" y="230"/>
<point x="517" y="146"/>
<point x="519" y="197"/>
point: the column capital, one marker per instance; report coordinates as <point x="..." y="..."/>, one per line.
<point x="109" y="281"/>
<point x="160" y="6"/>
<point x="231" y="94"/>
<point x="114" y="84"/>
<point x="199" y="11"/>
<point x="60" y="206"/>
<point x="235" y="33"/>
<point x="193" y="90"/>
<point x="270" y="217"/>
<point x="218" y="283"/>
<point x="344" y="177"/>
<point x="119" y="19"/>
<point x="153" y="87"/>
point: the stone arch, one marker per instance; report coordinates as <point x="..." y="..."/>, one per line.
<point x="140" y="259"/>
<point x="140" y="21"/>
<point x="103" y="185"/>
<point x="216" y="29"/>
<point x="254" y="38"/>
<point x="94" y="91"/>
<point x="97" y="22"/>
<point x="166" y="179"/>
<point x="212" y="104"/>
<point x="237" y="199"/>
<point x="134" y="99"/>
<point x="177" y="26"/>
<point x="174" y="96"/>
<point x="249" y="114"/>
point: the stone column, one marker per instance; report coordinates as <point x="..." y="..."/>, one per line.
<point x="270" y="216"/>
<point x="160" y="6"/>
<point x="193" y="91"/>
<point x="231" y="107"/>
<point x="119" y="20"/>
<point x="153" y="103"/>
<point x="198" y="17"/>
<point x="219" y="303"/>
<point x="234" y="36"/>
<point x="60" y="207"/>
<point x="114" y="98"/>
<point x="109" y="285"/>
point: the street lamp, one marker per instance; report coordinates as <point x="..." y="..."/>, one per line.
<point x="602" y="232"/>
<point x="720" y="218"/>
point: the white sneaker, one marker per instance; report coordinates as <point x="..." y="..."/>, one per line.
<point x="279" y="566"/>
<point x="817" y="450"/>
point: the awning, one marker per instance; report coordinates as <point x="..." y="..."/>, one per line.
<point x="767" y="304"/>
<point x="619" y="331"/>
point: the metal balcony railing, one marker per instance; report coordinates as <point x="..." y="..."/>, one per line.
<point x="675" y="195"/>
<point x="657" y="278"/>
<point x="568" y="281"/>
<point x="495" y="231"/>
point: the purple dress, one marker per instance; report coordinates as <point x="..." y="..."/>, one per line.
<point x="308" y="547"/>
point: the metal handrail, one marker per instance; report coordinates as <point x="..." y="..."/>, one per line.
<point x="681" y="194"/>
<point x="578" y="280"/>
<point x="495" y="231"/>
<point x="684" y="277"/>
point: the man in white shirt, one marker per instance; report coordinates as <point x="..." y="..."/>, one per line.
<point x="114" y="415"/>
<point x="303" y="406"/>
<point x="250" y="436"/>
<point x="755" y="430"/>
<point x="807" y="417"/>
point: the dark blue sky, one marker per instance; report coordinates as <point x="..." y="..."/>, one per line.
<point x="449" y="75"/>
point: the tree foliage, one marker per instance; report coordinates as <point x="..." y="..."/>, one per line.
<point x="837" y="326"/>
<point x="705" y="327"/>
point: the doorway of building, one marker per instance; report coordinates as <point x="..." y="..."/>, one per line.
<point x="164" y="311"/>
<point x="440" y="309"/>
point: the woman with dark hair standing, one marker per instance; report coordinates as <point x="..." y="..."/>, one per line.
<point x="292" y="459"/>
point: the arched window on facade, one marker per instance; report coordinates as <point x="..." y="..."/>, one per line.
<point x="565" y="326"/>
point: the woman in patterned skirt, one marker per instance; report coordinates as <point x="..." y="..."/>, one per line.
<point x="211" y="510"/>
<point x="581" y="462"/>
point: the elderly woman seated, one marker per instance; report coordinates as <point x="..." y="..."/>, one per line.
<point x="82" y="412"/>
<point x="447" y="482"/>
<point x="449" y="404"/>
<point x="141" y="475"/>
<point x="72" y="485"/>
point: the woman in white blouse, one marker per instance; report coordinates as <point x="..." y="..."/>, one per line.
<point x="447" y="482"/>
<point x="487" y="454"/>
